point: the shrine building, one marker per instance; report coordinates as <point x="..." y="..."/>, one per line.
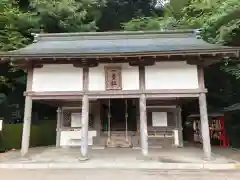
<point x="118" y="89"/>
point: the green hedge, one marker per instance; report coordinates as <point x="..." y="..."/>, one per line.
<point x="43" y="134"/>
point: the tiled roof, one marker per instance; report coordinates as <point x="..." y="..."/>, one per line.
<point x="83" y="44"/>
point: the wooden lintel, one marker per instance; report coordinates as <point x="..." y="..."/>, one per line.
<point x="115" y="96"/>
<point x="37" y="65"/>
<point x="179" y="95"/>
<point x="150" y="94"/>
<point x="54" y="97"/>
<point x="90" y="65"/>
<point x="142" y="63"/>
<point x="53" y="93"/>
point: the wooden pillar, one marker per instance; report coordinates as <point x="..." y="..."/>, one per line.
<point x="85" y="109"/>
<point x="143" y="112"/>
<point x="179" y="125"/>
<point x="204" y="125"/>
<point x="204" y="115"/>
<point x="27" y="113"/>
<point x="26" y="125"/>
<point x="59" y="118"/>
<point x="85" y="114"/>
<point x="143" y="125"/>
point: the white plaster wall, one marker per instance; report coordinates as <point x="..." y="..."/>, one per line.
<point x="57" y="77"/>
<point x="73" y="138"/>
<point x="130" y="77"/>
<point x="159" y="119"/>
<point x="96" y="79"/>
<point x="171" y="75"/>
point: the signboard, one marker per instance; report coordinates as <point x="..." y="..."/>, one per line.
<point x="159" y="119"/>
<point x="76" y="120"/>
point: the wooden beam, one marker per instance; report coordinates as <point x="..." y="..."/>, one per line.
<point x="54" y="93"/>
<point x="54" y="97"/>
<point x="150" y="94"/>
<point x="116" y="92"/>
<point x="90" y="64"/>
<point x="192" y="57"/>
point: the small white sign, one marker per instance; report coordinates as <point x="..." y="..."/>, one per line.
<point x="176" y="138"/>
<point x="76" y="120"/>
<point x="159" y="119"/>
<point x="1" y="122"/>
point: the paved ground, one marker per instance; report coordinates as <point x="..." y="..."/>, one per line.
<point x="116" y="175"/>
<point x="116" y="155"/>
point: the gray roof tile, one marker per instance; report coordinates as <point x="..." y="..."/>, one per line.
<point x="114" y="43"/>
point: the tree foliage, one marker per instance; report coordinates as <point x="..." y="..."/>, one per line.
<point x="219" y="21"/>
<point x="219" y="25"/>
<point x="20" y="18"/>
<point x="14" y="26"/>
<point x="67" y="15"/>
<point x="117" y="12"/>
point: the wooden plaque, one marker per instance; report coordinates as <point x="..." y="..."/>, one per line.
<point x="113" y="78"/>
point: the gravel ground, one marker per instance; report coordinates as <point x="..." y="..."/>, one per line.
<point x="98" y="174"/>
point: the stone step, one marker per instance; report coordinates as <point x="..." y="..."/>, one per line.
<point x="160" y="142"/>
<point x="134" y="140"/>
<point x="118" y="139"/>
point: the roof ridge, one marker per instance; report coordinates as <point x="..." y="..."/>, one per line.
<point x="118" y="32"/>
<point x="38" y="37"/>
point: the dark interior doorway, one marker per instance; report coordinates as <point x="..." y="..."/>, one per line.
<point x="118" y="109"/>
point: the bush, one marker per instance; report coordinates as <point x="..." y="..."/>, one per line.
<point x="43" y="134"/>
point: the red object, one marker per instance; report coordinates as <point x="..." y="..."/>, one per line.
<point x="224" y="140"/>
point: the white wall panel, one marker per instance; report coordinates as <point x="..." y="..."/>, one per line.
<point x="73" y="138"/>
<point x="96" y="79"/>
<point x="171" y="75"/>
<point x="159" y="119"/>
<point x="57" y="77"/>
<point x="130" y="78"/>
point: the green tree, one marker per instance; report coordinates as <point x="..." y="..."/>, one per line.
<point x="67" y="15"/>
<point x="117" y="12"/>
<point x="18" y="19"/>
<point x="14" y="26"/>
<point x="219" y="25"/>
